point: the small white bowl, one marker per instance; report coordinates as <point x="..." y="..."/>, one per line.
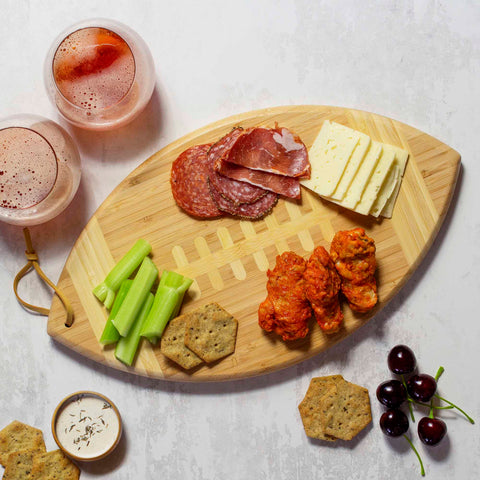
<point x="86" y="426"/>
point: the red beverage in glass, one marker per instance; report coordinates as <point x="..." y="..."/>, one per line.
<point x="39" y="170"/>
<point x="100" y="75"/>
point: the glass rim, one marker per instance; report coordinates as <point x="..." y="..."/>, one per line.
<point x="4" y="209"/>
<point x="96" y="23"/>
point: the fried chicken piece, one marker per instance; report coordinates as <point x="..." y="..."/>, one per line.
<point x="353" y="254"/>
<point x="286" y="310"/>
<point x="322" y="284"/>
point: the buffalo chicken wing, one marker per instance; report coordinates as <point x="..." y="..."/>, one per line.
<point x="286" y="310"/>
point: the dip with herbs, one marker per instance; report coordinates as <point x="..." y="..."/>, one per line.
<point x="87" y="426"/>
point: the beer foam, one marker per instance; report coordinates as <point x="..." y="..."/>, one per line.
<point x="28" y="168"/>
<point x="94" y="68"/>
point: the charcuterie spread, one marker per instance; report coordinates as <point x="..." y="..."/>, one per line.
<point x="223" y="235"/>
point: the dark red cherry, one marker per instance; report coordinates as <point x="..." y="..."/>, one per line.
<point x="431" y="430"/>
<point x="421" y="387"/>
<point x="401" y="360"/>
<point x="394" y="423"/>
<point x="391" y="393"/>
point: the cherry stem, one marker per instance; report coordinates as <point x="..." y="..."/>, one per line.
<point x="439" y="373"/>
<point x="410" y="409"/>
<point x="436" y="407"/>
<point x="470" y="419"/>
<point x="422" y="471"/>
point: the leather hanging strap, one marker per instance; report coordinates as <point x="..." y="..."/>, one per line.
<point x="32" y="262"/>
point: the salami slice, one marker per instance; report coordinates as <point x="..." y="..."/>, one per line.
<point x="189" y="182"/>
<point x="250" y="211"/>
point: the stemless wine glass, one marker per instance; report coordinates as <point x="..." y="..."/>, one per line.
<point x="39" y="170"/>
<point x="100" y="74"/>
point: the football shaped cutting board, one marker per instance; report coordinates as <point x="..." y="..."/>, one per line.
<point x="228" y="258"/>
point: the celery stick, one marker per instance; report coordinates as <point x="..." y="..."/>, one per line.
<point x="171" y="279"/>
<point x="110" y="333"/>
<point x="106" y="290"/>
<point x="142" y="283"/>
<point x="166" y="305"/>
<point x="166" y="300"/>
<point x="127" y="346"/>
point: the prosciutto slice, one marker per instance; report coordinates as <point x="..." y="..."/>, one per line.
<point x="273" y="150"/>
<point x="233" y="190"/>
<point x="286" y="186"/>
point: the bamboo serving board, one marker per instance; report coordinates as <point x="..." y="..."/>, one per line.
<point x="228" y="258"/>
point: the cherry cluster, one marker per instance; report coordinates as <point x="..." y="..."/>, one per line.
<point x="418" y="389"/>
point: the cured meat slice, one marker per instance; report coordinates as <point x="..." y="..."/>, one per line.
<point x="219" y="150"/>
<point x="286" y="186"/>
<point x="189" y="182"/>
<point x="236" y="191"/>
<point x="251" y="211"/>
<point x="274" y="150"/>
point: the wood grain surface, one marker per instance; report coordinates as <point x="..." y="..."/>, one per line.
<point x="228" y="258"/>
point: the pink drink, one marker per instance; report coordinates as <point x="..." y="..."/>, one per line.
<point x="28" y="168"/>
<point x="100" y="75"/>
<point x="39" y="170"/>
<point x="94" y="68"/>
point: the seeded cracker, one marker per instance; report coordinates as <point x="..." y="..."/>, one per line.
<point x="17" y="436"/>
<point x="310" y="413"/>
<point x="211" y="332"/>
<point x="348" y="412"/>
<point x="334" y="409"/>
<point x="19" y="465"/>
<point x="172" y="344"/>
<point x="54" y="465"/>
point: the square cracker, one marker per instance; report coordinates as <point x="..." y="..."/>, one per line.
<point x="17" y="436"/>
<point x="19" y="465"/>
<point x="309" y="408"/>
<point x="54" y="465"/>
<point x="211" y="332"/>
<point x="348" y="412"/>
<point x="172" y="344"/>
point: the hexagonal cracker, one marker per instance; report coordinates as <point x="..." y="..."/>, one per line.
<point x="348" y="412"/>
<point x="172" y="344"/>
<point x="19" y="436"/>
<point x="211" y="332"/>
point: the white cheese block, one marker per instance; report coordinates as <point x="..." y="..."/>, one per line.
<point x="359" y="183"/>
<point x="329" y="156"/>
<point x="401" y="157"/>
<point x="352" y="166"/>
<point x="376" y="180"/>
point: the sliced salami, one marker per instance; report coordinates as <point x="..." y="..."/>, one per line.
<point x="250" y="211"/>
<point x="189" y="182"/>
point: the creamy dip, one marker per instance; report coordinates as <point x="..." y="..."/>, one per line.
<point x="87" y="426"/>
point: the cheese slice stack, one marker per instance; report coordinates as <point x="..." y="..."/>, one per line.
<point x="354" y="171"/>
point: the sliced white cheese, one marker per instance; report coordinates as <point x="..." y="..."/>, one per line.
<point x="328" y="157"/>
<point x="386" y="191"/>
<point x="401" y="157"/>
<point x="376" y="180"/>
<point x="359" y="183"/>
<point x="352" y="166"/>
